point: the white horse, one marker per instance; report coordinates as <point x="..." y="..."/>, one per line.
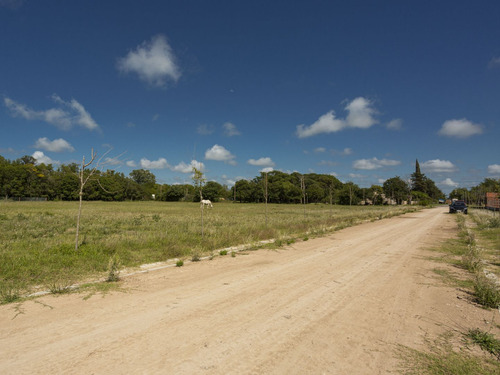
<point x="206" y="202"/>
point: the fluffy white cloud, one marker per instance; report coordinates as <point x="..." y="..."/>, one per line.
<point x="395" y="124"/>
<point x="267" y="170"/>
<point x="494" y="169"/>
<point x="188" y="168"/>
<point x="449" y="182"/>
<point x="219" y="153"/>
<point x="230" y="130"/>
<point x="262" y="162"/>
<point x="374" y="163"/>
<point x="131" y="164"/>
<point x="41" y="158"/>
<point x="462" y="128"/>
<point x="319" y="150"/>
<point x="325" y="124"/>
<point x="161" y="163"/>
<point x="360" y="115"/>
<point x="437" y="165"/>
<point x="57" y="145"/>
<point x="154" y="62"/>
<point x="63" y="119"/>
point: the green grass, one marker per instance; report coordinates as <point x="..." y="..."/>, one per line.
<point x="485" y="340"/>
<point x="37" y="238"/>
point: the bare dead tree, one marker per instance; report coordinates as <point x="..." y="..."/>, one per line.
<point x="84" y="177"/>
<point x="83" y="180"/>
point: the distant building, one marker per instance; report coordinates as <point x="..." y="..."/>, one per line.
<point x="492" y="201"/>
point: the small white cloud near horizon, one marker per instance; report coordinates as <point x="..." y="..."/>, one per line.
<point x="188" y="168"/>
<point x="41" y="158"/>
<point x="262" y="162"/>
<point x="131" y="164"/>
<point x="395" y="124"/>
<point x="462" y="128"/>
<point x="161" y="163"/>
<point x="230" y="130"/>
<point x="494" y="169"/>
<point x="57" y="145"/>
<point x="374" y="163"/>
<point x="438" y="166"/>
<point x="267" y="170"/>
<point x="63" y="119"/>
<point x="153" y="61"/>
<point x="448" y="182"/>
<point x="220" y="153"/>
<point x="319" y="150"/>
<point x="360" y="115"/>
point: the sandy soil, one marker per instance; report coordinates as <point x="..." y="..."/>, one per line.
<point x="334" y="305"/>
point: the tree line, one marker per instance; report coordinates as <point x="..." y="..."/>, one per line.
<point x="24" y="178"/>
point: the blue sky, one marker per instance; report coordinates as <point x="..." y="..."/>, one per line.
<point x="357" y="89"/>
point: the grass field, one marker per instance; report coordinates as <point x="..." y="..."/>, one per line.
<point x="37" y="239"/>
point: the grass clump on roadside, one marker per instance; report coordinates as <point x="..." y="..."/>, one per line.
<point x="487" y="291"/>
<point x="485" y="340"/>
<point x="179" y="263"/>
<point x="113" y="269"/>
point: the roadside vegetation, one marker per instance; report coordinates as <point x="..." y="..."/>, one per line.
<point x="37" y="238"/>
<point x="476" y="249"/>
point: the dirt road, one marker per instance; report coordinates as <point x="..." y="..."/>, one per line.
<point x="334" y="305"/>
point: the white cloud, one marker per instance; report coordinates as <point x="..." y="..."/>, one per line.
<point x="161" y="163"/>
<point x="494" y="62"/>
<point x="395" y="124"/>
<point x="325" y="124"/>
<point x="131" y="164"/>
<point x="57" y="145"/>
<point x="188" y="168"/>
<point x="230" y="130"/>
<point x="219" y="153"/>
<point x="154" y="62"/>
<point x="355" y="175"/>
<point x="462" y="128"/>
<point x="437" y="166"/>
<point x="381" y="180"/>
<point x="41" y="158"/>
<point x="360" y="115"/>
<point x="267" y="170"/>
<point x="319" y="150"/>
<point x="63" y="119"/>
<point x="449" y="182"/>
<point x="494" y="169"/>
<point x="262" y="162"/>
<point x="205" y="129"/>
<point x="374" y="163"/>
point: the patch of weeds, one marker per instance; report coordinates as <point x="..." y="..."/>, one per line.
<point x="59" y="287"/>
<point x="179" y="263"/>
<point x="472" y="260"/>
<point x="290" y="241"/>
<point x="114" y="265"/>
<point x="101" y="288"/>
<point x="486" y="291"/>
<point x="278" y="243"/>
<point x="195" y="257"/>
<point x="305" y="238"/>
<point x="9" y="294"/>
<point x="233" y="254"/>
<point x="485" y="340"/>
<point x="223" y="252"/>
<point x="156" y="217"/>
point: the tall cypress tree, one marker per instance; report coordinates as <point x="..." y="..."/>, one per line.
<point x="418" y="180"/>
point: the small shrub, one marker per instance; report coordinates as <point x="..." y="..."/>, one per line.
<point x="59" y="287"/>
<point x="113" y="269"/>
<point x="471" y="259"/>
<point x="179" y="263"/>
<point x="486" y="291"/>
<point x="233" y="254"/>
<point x="306" y="238"/>
<point x="223" y="252"/>
<point x="493" y="222"/>
<point x="485" y="340"/>
<point x="290" y="241"/>
<point x="195" y="257"/>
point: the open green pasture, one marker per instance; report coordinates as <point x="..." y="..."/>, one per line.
<point x="37" y="239"/>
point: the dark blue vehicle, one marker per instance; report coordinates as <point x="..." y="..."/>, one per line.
<point x="458" y="206"/>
